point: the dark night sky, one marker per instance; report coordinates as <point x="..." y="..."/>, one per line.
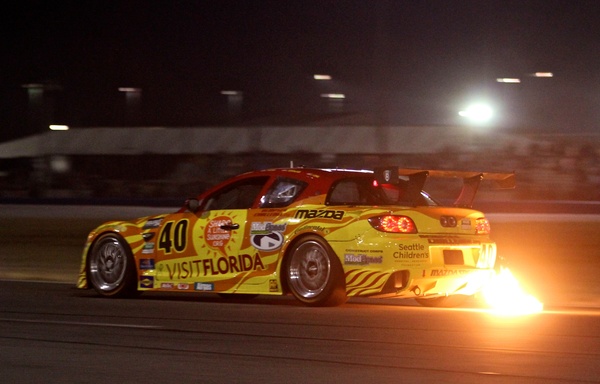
<point x="404" y="62"/>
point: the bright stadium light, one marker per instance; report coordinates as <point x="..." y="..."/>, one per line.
<point x="130" y="89"/>
<point x="59" y="127"/>
<point x="333" y="95"/>
<point x="478" y="113"/>
<point x="508" y="80"/>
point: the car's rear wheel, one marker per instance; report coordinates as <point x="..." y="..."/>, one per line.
<point x="444" y="301"/>
<point x="110" y="267"/>
<point x="314" y="274"/>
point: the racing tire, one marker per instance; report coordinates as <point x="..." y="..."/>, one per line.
<point x="444" y="301"/>
<point x="110" y="267"/>
<point x="314" y="274"/>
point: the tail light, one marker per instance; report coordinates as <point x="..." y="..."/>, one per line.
<point x="393" y="224"/>
<point x="482" y="226"/>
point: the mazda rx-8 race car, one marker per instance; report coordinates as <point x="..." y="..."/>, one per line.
<point x="322" y="235"/>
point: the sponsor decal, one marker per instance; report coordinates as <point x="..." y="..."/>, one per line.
<point x="273" y="285"/>
<point x="215" y="236"/>
<point x="268" y="212"/>
<point x="312" y="228"/>
<point x="267" y="227"/>
<point x="152" y="223"/>
<point x="167" y="285"/>
<point x="316" y="213"/>
<point x="210" y="267"/>
<point x="411" y="252"/>
<point x="315" y="228"/>
<point x="411" y="247"/>
<point x="450" y="272"/>
<point x="148" y="248"/>
<point x="146" y="264"/>
<point x="183" y="286"/>
<point x="450" y="240"/>
<point x="361" y="259"/>
<point x="269" y="242"/>
<point x="387" y="175"/>
<point x="146" y="281"/>
<point x="267" y="236"/>
<point x="364" y="250"/>
<point x="204" y="286"/>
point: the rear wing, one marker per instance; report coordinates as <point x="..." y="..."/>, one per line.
<point x="418" y="177"/>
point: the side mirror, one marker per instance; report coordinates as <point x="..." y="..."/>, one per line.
<point x="192" y="204"/>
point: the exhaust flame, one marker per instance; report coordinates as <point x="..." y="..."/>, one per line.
<point x="505" y="296"/>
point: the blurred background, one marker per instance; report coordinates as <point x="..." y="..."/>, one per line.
<point x="151" y="102"/>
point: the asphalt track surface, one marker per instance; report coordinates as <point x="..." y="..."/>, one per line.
<point x="51" y="332"/>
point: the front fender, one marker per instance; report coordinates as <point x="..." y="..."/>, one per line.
<point x="129" y="231"/>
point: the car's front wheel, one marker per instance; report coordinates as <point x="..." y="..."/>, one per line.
<point x="314" y="274"/>
<point x="110" y="267"/>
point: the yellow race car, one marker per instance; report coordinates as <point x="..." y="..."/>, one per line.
<point x="322" y="235"/>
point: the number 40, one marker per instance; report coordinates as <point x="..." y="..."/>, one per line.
<point x="173" y="235"/>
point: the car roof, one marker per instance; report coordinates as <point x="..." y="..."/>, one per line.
<point x="318" y="180"/>
<point x="335" y="172"/>
<point x="311" y="175"/>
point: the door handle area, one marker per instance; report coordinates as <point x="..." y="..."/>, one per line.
<point x="230" y="226"/>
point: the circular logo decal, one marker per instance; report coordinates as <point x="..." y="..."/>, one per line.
<point x="267" y="242"/>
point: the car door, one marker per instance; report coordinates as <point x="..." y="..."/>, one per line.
<point x="202" y="250"/>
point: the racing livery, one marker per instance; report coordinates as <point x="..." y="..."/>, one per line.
<point x="322" y="235"/>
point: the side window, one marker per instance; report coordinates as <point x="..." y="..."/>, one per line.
<point x="356" y="191"/>
<point x="345" y="192"/>
<point x="282" y="193"/>
<point x="239" y="195"/>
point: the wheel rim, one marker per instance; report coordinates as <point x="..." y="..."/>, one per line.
<point x="108" y="264"/>
<point x="309" y="269"/>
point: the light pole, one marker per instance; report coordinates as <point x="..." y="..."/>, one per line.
<point x="520" y="95"/>
<point x="40" y="111"/>
<point x="133" y="104"/>
<point x="235" y="99"/>
<point x="335" y="100"/>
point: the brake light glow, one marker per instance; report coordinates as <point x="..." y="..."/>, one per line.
<point x="482" y="226"/>
<point x="393" y="224"/>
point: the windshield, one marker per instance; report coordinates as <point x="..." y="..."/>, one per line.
<point x="366" y="191"/>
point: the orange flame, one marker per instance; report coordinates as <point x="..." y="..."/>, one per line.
<point x="505" y="296"/>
